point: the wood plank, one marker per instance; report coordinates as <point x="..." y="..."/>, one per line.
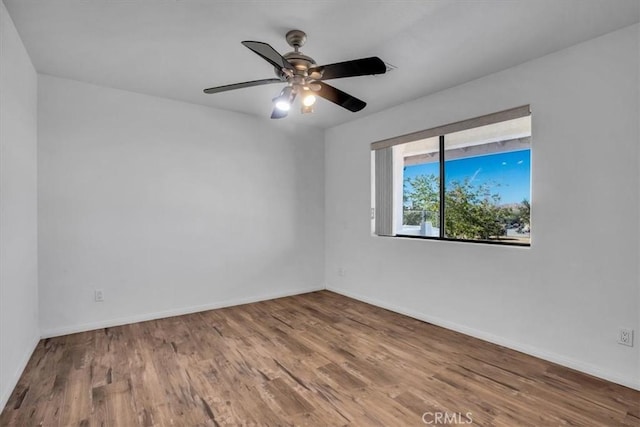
<point x="314" y="359"/>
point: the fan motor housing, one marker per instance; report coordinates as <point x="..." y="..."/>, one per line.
<point x="299" y="60"/>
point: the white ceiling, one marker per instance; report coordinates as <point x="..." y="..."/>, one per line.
<point x="176" y="48"/>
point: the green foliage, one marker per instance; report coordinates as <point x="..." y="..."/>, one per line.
<point x="422" y="193"/>
<point x="524" y="213"/>
<point x="519" y="217"/>
<point x="472" y="211"/>
<point x="412" y="217"/>
<point x="421" y="199"/>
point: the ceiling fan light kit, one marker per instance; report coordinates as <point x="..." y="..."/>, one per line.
<point x="308" y="99"/>
<point x="285" y="99"/>
<point x="305" y="78"/>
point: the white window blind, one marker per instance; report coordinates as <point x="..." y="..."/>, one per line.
<point x="384" y="192"/>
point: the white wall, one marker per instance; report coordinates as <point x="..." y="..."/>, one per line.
<point x="169" y="207"/>
<point x="18" y="207"/>
<point x="564" y="298"/>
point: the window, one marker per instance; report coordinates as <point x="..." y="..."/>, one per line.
<point x="467" y="181"/>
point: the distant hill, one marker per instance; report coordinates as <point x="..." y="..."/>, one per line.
<point x="511" y="205"/>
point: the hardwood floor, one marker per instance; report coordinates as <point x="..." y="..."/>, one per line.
<point x="318" y="359"/>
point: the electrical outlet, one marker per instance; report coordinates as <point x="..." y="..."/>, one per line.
<point x="342" y="272"/>
<point x="373" y="213"/>
<point x="625" y="337"/>
<point x="99" y="295"/>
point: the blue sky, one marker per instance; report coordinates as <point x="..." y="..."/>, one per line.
<point x="511" y="170"/>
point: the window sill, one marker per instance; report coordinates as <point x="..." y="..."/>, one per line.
<point x="444" y="239"/>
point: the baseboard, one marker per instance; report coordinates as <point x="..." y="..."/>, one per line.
<point x="485" y="336"/>
<point x="13" y="381"/>
<point x="55" y="332"/>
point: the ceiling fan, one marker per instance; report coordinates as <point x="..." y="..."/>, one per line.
<point x="305" y="78"/>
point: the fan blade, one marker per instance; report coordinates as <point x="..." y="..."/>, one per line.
<point x="341" y="98"/>
<point x="357" y="67"/>
<point x="269" y="54"/>
<point x="241" y="85"/>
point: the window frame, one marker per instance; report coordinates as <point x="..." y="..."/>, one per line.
<point x="441" y="132"/>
